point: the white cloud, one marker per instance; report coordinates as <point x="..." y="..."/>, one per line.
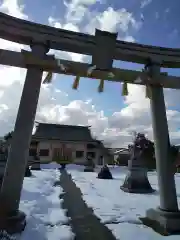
<point x="113" y="20"/>
<point x="68" y="26"/>
<point x="157" y="15"/>
<point x="108" y="20"/>
<point x="13" y="8"/>
<point x="129" y="39"/>
<point x="137" y="115"/>
<point x="78" y="9"/>
<point x="145" y="3"/>
<point x="54" y="106"/>
<point x="71" y="27"/>
<point x="167" y="10"/>
<point x="118" y="128"/>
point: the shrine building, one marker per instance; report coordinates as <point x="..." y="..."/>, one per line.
<point x="73" y="143"/>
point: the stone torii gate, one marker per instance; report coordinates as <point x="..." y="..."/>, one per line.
<point x="104" y="48"/>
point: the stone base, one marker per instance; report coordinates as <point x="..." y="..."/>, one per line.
<point x="167" y="222"/>
<point x="14" y="223"/>
<point x="137" y="181"/>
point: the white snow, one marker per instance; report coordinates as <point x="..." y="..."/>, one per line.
<point x="52" y="165"/>
<point x="120" y="211"/>
<point x="40" y="201"/>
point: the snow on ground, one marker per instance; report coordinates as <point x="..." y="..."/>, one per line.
<point x="120" y="211"/>
<point x="52" y="165"/>
<point x="40" y="201"/>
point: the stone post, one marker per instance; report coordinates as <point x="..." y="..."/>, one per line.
<point x="167" y="215"/>
<point x="19" y="150"/>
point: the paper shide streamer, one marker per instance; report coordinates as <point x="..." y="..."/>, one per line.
<point x="76" y="83"/>
<point x="101" y="86"/>
<point x="49" y="76"/>
<point x="124" y="89"/>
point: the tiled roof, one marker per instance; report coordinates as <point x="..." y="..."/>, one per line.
<point x="63" y="132"/>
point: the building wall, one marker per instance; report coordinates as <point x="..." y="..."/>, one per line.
<point x="45" y="145"/>
<point x="78" y="147"/>
<point x="72" y="146"/>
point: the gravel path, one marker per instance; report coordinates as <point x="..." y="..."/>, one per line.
<point x="85" y="224"/>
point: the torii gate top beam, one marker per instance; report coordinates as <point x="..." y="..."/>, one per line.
<point x="25" y="32"/>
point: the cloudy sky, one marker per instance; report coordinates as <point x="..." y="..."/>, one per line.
<point x="113" y="118"/>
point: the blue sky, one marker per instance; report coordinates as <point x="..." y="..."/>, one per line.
<point x="112" y="116"/>
<point x="161" y="18"/>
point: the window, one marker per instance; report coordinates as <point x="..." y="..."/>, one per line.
<point x="79" y="154"/>
<point x="91" y="154"/>
<point x="44" y="152"/>
<point x="32" y="152"/>
<point x="90" y="146"/>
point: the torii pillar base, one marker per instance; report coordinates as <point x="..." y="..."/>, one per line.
<point x="13" y="223"/>
<point x="163" y="222"/>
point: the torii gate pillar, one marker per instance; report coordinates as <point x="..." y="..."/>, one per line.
<point x="11" y="218"/>
<point x="167" y="214"/>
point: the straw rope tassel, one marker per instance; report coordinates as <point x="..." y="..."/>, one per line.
<point x="48" y="78"/>
<point x="101" y="86"/>
<point x="124" y="89"/>
<point x="76" y="83"/>
<point x="148" y="92"/>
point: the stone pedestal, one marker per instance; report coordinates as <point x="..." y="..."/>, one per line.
<point x="136" y="180"/>
<point x="13" y="223"/>
<point x="167" y="222"/>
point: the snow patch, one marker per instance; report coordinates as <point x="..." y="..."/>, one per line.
<point x="40" y="201"/>
<point x="120" y="211"/>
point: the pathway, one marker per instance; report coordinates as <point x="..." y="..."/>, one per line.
<point x="85" y="224"/>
